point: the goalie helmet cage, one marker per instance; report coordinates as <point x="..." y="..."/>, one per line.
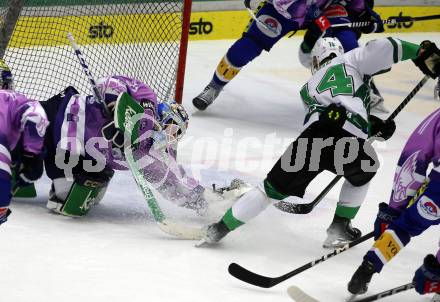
<point x="146" y="40"/>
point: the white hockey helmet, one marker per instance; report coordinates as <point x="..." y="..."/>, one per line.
<point x="324" y="48"/>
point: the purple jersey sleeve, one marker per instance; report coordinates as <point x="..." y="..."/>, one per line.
<point x="169" y="178"/>
<point x="19" y="118"/>
<point x="421" y="149"/>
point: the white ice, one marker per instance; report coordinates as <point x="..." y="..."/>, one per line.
<point x="118" y="254"/>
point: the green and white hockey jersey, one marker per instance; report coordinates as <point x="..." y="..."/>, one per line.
<point x="344" y="81"/>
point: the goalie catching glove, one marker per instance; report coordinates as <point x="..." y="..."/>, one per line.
<point x="428" y="59"/>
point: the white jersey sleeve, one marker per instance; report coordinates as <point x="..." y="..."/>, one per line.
<point x="379" y="55"/>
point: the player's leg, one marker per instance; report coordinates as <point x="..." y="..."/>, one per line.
<point x="352" y="195"/>
<point x="413" y="221"/>
<point x="286" y="178"/>
<point x="255" y="39"/>
<point x="5" y="194"/>
<point x="74" y="197"/>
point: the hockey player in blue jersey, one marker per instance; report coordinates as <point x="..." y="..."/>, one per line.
<point x="285" y="16"/>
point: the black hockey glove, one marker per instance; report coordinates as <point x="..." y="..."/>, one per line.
<point x="385" y="215"/>
<point x="428" y="59"/>
<point x="30" y="169"/>
<point x="381" y="128"/>
<point x="376" y="25"/>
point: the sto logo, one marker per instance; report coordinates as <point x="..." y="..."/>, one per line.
<point x="428" y="209"/>
<point x="270" y="22"/>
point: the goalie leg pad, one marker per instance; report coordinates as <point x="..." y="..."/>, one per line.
<point x="74" y="199"/>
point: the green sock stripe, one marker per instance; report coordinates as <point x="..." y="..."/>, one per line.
<point x="230" y="221"/>
<point x="271" y="192"/>
<point x="346" y="212"/>
<point x="409" y="50"/>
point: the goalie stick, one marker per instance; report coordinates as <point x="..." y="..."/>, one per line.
<point x="294" y="208"/>
<point x="247" y="276"/>
<point x="298" y="295"/>
<point x="164" y="224"/>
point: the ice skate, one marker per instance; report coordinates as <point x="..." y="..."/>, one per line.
<point x="436" y="298"/>
<point x="213" y="233"/>
<point x="359" y="282"/>
<point x="207" y="97"/>
<point x="340" y="232"/>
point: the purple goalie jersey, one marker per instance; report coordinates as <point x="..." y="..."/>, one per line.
<point x="421" y="150"/>
<point x="20" y="118"/>
<point x="78" y="129"/>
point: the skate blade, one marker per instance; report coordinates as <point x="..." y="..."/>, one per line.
<point x="335" y="244"/>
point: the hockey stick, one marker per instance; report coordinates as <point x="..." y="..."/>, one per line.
<point x="298" y="295"/>
<point x="389" y="21"/>
<point x="305" y="208"/>
<point x="88" y="73"/>
<point x="386" y="293"/>
<point x="165" y="225"/>
<point x="294" y="208"/>
<point x="247" y="276"/>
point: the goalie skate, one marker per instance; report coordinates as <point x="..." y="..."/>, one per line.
<point x="206" y="98"/>
<point x="340" y="233"/>
<point x="436" y="298"/>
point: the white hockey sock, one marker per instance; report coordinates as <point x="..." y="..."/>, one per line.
<point x="350" y="199"/>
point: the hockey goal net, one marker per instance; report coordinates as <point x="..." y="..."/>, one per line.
<point x="141" y="39"/>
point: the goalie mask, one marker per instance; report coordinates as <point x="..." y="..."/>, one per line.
<point x="324" y="50"/>
<point x="173" y="119"/>
<point x="7" y="80"/>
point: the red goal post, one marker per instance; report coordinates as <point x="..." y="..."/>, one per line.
<point x="146" y="40"/>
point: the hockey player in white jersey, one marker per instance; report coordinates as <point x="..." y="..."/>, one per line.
<point x="337" y="99"/>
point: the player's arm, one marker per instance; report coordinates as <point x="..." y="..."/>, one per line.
<point x="34" y="123"/>
<point x="379" y="55"/>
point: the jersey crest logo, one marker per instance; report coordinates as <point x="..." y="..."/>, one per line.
<point x="405" y="178"/>
<point x="270" y="22"/>
<point x="428" y="209"/>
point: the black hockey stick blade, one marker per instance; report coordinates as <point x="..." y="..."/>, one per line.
<point x="306" y="208"/>
<point x="247" y="276"/>
<point x="386" y="293"/>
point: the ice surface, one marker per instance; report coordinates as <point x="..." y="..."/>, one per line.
<point x="118" y="254"/>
